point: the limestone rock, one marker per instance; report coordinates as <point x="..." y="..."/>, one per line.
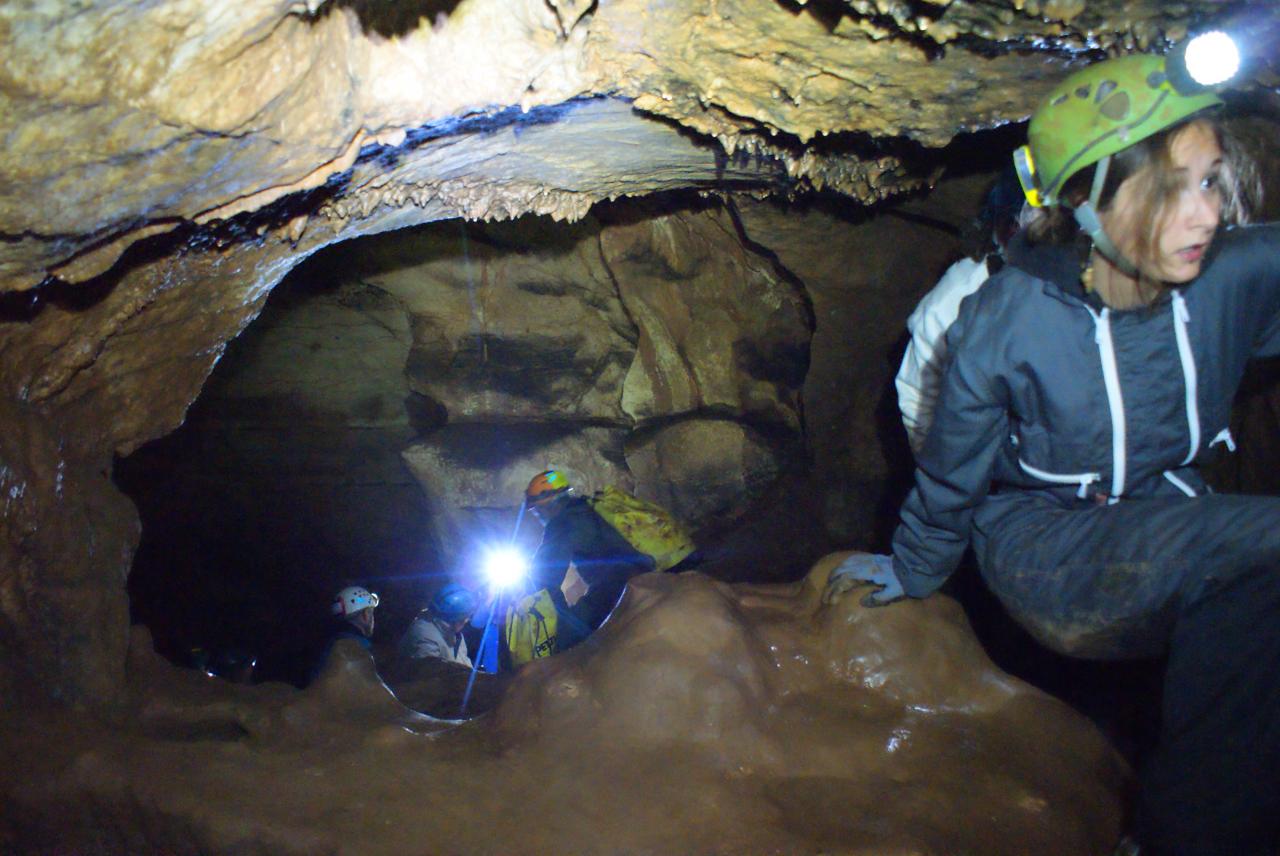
<point x="508" y="324"/>
<point x="521" y="335"/>
<point x="148" y="138"/>
<point x="719" y="329"/>
<point x="704" y="470"/>
<point x="66" y="540"/>
<point x="852" y="272"/>
<point x="295" y="97"/>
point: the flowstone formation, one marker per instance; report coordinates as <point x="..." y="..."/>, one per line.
<point x="702" y="717"/>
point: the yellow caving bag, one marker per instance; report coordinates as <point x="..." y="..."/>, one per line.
<point x="530" y="628"/>
<point x="649" y="528"/>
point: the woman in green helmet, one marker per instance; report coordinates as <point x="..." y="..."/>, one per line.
<point x="1084" y="382"/>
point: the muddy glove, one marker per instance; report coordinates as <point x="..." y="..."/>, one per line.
<point x="863" y="568"/>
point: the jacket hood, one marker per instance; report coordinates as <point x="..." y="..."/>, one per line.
<point x="1058" y="265"/>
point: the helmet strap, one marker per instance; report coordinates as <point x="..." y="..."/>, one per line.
<point x="1086" y="215"/>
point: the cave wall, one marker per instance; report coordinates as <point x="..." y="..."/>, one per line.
<point x="66" y="544"/>
<point x="646" y="347"/>
<point x="865" y="273"/>
<point x="62" y="581"/>
<point x="284" y="482"/>
<point x="591" y="351"/>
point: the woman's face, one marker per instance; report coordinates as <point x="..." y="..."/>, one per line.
<point x="1186" y="226"/>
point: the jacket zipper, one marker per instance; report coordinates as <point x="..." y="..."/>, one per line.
<point x="1179" y="483"/>
<point x="1181" y="317"/>
<point x="1111" y="377"/>
<point x="1082" y="479"/>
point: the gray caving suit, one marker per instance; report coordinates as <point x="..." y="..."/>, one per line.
<point x="1064" y="448"/>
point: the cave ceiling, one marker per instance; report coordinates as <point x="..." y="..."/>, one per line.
<point x="123" y="120"/>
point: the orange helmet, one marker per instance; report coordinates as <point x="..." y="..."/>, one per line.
<point x="546" y="486"/>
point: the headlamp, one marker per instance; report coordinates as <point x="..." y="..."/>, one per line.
<point x="1025" y="166"/>
<point x="505" y="567"/>
<point x="1209" y="59"/>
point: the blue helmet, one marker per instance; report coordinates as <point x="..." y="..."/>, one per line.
<point x="453" y="602"/>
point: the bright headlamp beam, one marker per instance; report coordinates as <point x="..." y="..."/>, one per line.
<point x="505" y="567"/>
<point x="1212" y="58"/>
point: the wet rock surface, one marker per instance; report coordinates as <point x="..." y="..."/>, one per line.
<point x="702" y="717"/>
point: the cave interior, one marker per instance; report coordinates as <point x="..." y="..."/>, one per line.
<point x="309" y="296"/>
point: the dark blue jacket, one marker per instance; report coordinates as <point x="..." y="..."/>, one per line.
<point x="1048" y="391"/>
<point x="338" y="628"/>
<point x="581" y="536"/>
<point x="603" y="558"/>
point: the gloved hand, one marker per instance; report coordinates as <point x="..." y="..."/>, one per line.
<point x="863" y="568"/>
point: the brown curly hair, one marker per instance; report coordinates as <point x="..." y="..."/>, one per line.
<point x="1150" y="162"/>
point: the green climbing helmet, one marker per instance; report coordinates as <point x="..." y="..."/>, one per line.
<point x="1096" y="112"/>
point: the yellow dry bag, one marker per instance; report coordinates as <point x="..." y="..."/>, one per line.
<point x="530" y="628"/>
<point x="649" y="528"/>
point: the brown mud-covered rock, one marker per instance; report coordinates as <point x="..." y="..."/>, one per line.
<point x="701" y="717"/>
<point x="443" y="689"/>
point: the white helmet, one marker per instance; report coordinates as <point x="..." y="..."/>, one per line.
<point x="353" y="599"/>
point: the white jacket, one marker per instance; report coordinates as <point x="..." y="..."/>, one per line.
<point x="920" y="375"/>
<point x="426" y="638"/>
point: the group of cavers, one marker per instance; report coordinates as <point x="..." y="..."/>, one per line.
<point x="1060" y="399"/>
<point x="607" y="538"/>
